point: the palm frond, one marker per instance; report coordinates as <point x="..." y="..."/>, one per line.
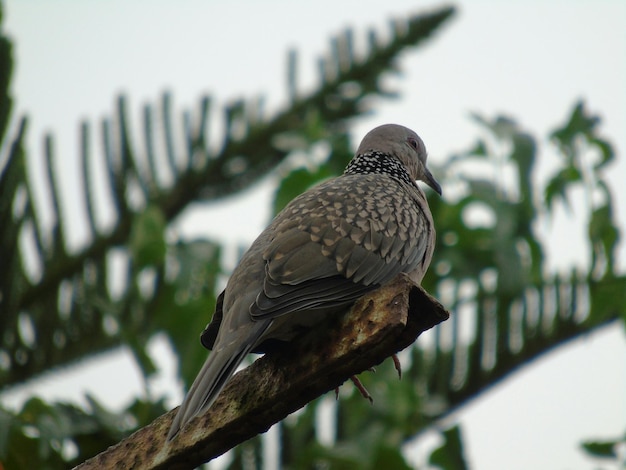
<point x="505" y="336"/>
<point x="62" y="309"/>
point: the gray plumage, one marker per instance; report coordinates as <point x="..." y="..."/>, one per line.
<point x="328" y="247"/>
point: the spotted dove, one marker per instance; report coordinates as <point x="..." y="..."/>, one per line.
<point x="328" y="247"/>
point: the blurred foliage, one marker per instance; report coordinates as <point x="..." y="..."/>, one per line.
<point x="449" y="456"/>
<point x="135" y="280"/>
<point x="44" y="435"/>
<point x="611" y="451"/>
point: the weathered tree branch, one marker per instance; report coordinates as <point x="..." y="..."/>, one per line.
<point x="379" y="325"/>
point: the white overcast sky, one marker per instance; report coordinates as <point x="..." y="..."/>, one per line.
<point x="529" y="59"/>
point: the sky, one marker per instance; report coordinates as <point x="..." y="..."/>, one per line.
<point x="528" y="59"/>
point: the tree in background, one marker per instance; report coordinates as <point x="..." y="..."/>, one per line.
<point x="66" y="309"/>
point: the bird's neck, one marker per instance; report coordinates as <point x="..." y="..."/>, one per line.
<point x="378" y="163"/>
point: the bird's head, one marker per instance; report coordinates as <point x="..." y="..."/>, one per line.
<point x="403" y="144"/>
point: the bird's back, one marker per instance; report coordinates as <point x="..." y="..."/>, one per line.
<point x="327" y="248"/>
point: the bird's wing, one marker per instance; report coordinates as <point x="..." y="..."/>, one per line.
<point x="335" y="243"/>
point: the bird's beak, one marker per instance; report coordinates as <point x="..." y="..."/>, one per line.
<point x="430" y="180"/>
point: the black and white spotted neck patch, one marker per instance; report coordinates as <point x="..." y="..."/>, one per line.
<point x="379" y="163"/>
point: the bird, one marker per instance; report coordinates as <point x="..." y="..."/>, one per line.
<point x="328" y="247"/>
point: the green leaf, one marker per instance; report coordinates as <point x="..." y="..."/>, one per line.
<point x="607" y="154"/>
<point x="501" y="127"/>
<point x="389" y="458"/>
<point x="137" y="344"/>
<point x="602" y="449"/>
<point x="559" y="184"/>
<point x="6" y="72"/>
<point x="524" y="155"/>
<point x="184" y="324"/>
<point x="449" y="456"/>
<point x="603" y="235"/>
<point x="186" y="300"/>
<point x="479" y="149"/>
<point x="147" y="237"/>
<point x="7" y="421"/>
<point x="608" y="299"/>
<point x="579" y="122"/>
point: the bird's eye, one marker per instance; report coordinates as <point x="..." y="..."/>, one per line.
<point x="412" y="142"/>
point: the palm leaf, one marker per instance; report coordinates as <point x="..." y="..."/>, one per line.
<point x="62" y="309"/>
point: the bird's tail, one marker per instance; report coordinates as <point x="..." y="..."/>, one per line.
<point x="217" y="369"/>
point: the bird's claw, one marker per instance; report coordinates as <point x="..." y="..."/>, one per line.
<point x="361" y="388"/>
<point x="397" y="365"/>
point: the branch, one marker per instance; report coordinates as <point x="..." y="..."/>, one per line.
<point x="379" y="325"/>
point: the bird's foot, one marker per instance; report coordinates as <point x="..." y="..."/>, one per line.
<point x="359" y="385"/>
<point x="397" y="365"/>
<point x="361" y="388"/>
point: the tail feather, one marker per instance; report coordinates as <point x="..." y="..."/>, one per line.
<point x="217" y="369"/>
